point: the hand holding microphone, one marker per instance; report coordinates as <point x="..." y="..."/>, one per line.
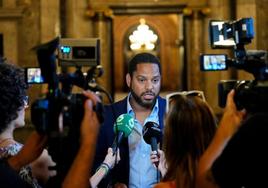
<point x="110" y="159"/>
<point x="123" y="126"/>
<point x="160" y="159"/>
<point x="152" y="135"/>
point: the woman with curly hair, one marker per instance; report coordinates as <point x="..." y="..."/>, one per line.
<point x="189" y="128"/>
<point x="13" y="102"/>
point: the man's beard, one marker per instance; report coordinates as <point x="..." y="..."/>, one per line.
<point x="146" y="104"/>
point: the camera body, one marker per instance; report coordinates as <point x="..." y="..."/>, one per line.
<point x="249" y="94"/>
<point x="226" y="34"/>
<point x="73" y="52"/>
<point x="60" y="113"/>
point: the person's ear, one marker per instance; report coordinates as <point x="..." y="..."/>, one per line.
<point x="128" y="79"/>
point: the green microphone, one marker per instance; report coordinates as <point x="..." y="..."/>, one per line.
<point x="123" y="126"/>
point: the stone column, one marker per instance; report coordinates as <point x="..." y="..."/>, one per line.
<point x="75" y="22"/>
<point x="9" y="3"/>
<point x="49" y="29"/>
<point x="10" y="17"/>
<point x="194" y="37"/>
<point x="262" y="25"/>
<point x="102" y="28"/>
<point x="49" y="20"/>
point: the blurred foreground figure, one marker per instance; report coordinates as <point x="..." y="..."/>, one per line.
<point x="190" y="126"/>
<point x="14" y="101"/>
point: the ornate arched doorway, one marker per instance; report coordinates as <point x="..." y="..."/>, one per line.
<point x="167" y="27"/>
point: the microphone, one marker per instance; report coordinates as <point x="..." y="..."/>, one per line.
<point x="152" y="134"/>
<point x="123" y="126"/>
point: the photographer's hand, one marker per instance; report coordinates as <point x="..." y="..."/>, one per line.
<point x="79" y="172"/>
<point x="90" y="123"/>
<point x="159" y="156"/>
<point x="231" y="119"/>
<point x="229" y="124"/>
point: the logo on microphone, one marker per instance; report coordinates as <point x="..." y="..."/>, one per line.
<point x="123" y="126"/>
<point x="124" y="123"/>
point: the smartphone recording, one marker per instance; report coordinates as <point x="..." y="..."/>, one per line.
<point x="33" y="75"/>
<point x="213" y="62"/>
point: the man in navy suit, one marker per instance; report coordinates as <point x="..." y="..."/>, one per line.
<point x="144" y="104"/>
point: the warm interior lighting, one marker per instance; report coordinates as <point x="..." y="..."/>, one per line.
<point x="142" y="38"/>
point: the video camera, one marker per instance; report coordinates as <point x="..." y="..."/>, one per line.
<point x="249" y="94"/>
<point x="60" y="113"/>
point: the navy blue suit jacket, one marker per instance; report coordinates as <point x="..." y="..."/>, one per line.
<point x="106" y="137"/>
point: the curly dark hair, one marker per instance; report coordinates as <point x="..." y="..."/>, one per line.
<point x="12" y="92"/>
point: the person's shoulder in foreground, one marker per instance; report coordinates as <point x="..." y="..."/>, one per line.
<point x="9" y="177"/>
<point x="244" y="159"/>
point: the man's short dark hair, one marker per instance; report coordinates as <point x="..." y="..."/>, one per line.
<point x="142" y="58"/>
<point x="12" y="92"/>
